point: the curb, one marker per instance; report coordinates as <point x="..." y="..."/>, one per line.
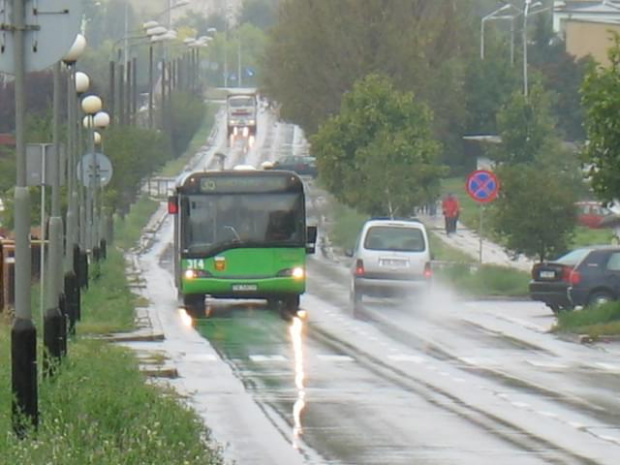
<point x="587" y="339"/>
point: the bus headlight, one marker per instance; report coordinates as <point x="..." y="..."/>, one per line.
<point x="298" y="273"/>
<point x="192" y="273"/>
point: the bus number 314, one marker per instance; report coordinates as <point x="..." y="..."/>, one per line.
<point x="196" y="264"/>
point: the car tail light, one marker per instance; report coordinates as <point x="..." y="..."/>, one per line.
<point x="359" y="267"/>
<point x="173" y="206"/>
<point x="428" y="271"/>
<point x="570" y="275"/>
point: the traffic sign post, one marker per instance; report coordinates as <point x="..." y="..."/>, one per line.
<point x="483" y="187"/>
<point x="95" y="167"/>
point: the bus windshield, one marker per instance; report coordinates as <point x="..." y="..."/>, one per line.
<point x="241" y="101"/>
<point x="211" y="222"/>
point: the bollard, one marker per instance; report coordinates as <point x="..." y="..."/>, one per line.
<point x="52" y="322"/>
<point x="62" y="306"/>
<point x="72" y="301"/>
<point x="76" y="259"/>
<point x="24" y="376"/>
<point x="84" y="269"/>
<point x="103" y="247"/>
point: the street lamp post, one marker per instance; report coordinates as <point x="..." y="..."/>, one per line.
<point x="75" y="82"/>
<point x="155" y="33"/>
<point x="527" y="11"/>
<point x="80" y="259"/>
<point x="90" y="105"/>
<point x="100" y="121"/>
<point x="491" y="16"/>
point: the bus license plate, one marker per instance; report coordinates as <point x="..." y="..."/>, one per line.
<point x="244" y="287"/>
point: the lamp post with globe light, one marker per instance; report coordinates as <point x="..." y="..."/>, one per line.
<point x="90" y="105"/>
<point x="101" y="120"/>
<point x="77" y="82"/>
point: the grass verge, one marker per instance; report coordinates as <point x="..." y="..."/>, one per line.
<point x="603" y="320"/>
<point x="98" y="410"/>
<point x="484" y="281"/>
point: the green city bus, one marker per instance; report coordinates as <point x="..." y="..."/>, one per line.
<point x="241" y="235"/>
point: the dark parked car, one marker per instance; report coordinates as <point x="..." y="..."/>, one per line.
<point x="584" y="277"/>
<point x="302" y="165"/>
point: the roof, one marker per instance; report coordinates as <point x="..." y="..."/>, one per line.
<point x="394" y="221"/>
<point x="7" y="139"/>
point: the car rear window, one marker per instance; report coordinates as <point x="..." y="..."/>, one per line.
<point x="572" y="258"/>
<point x="395" y="238"/>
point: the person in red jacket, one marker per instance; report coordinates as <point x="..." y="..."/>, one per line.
<point x="451" y="211"/>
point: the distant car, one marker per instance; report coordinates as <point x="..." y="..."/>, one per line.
<point x="302" y="165"/>
<point x="591" y="214"/>
<point x="391" y="257"/>
<point x="584" y="277"/>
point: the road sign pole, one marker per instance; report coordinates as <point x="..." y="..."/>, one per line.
<point x="483" y="187"/>
<point x="480" y="233"/>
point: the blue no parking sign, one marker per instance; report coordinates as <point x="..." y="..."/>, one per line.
<point x="482" y="186"/>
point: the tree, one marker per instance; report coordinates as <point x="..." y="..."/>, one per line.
<point x="324" y="46"/>
<point x="535" y="212"/>
<point x="134" y="153"/>
<point x="259" y="13"/>
<point x="379" y="155"/>
<point x="526" y="127"/>
<point x="186" y="114"/>
<point x="601" y="99"/>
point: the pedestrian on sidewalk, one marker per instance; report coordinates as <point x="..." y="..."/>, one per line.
<point x="451" y="210"/>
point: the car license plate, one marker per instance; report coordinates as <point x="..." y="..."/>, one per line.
<point x="392" y="263"/>
<point x="244" y="287"/>
<point x="547" y="274"/>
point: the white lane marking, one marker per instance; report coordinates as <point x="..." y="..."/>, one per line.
<point x="268" y="358"/>
<point x="544" y="413"/>
<point x="608" y="366"/>
<point x="336" y="358"/>
<point x="406" y="358"/>
<point x="520" y="404"/>
<point x="479" y="361"/>
<point x="577" y="425"/>
<point x="550" y="365"/>
<point x="200" y="358"/>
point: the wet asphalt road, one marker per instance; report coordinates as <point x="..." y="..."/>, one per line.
<point x="399" y="386"/>
<point x="439" y="381"/>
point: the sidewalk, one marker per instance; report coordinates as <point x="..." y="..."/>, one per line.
<point x="468" y="242"/>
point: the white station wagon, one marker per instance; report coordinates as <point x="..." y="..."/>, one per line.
<point x="391" y="257"/>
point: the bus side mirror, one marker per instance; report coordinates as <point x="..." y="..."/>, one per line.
<point x="173" y="205"/>
<point x="311" y="233"/>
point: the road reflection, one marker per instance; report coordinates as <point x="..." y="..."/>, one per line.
<point x="296" y="331"/>
<point x="185" y="318"/>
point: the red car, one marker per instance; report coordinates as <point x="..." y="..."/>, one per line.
<point x="591" y="213"/>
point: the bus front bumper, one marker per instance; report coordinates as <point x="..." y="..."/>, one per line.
<point x="243" y="288"/>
